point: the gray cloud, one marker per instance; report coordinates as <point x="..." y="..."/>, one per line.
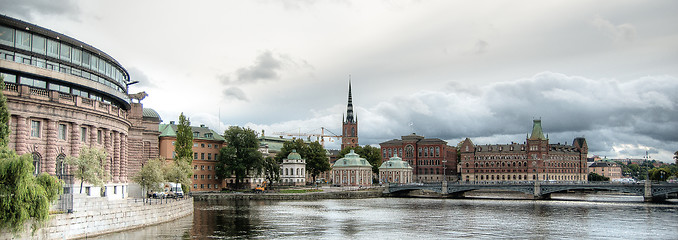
<point x="481" y="47"/>
<point x="26" y="9"/>
<point x="136" y="74"/>
<point x="265" y="67"/>
<point x="235" y="93"/>
<point x="638" y="113"/>
<point x="622" y="32"/>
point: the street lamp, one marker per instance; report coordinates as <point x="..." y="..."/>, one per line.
<point x="444" y="170"/>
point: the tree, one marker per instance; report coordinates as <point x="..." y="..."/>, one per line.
<point x="594" y="177"/>
<point x="151" y="175"/>
<point x="316" y="160"/>
<point x="178" y="172"/>
<point x="184" y="144"/>
<point x="22" y="195"/>
<point x="89" y="166"/>
<point x="659" y="174"/>
<point x="271" y="170"/>
<point x="241" y="157"/>
<point x="4" y="116"/>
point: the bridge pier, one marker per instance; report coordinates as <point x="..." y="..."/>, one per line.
<point x="444" y="188"/>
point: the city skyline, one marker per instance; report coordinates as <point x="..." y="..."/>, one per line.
<point x="604" y="70"/>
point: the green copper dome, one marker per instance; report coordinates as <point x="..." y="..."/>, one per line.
<point x="352" y="159"/>
<point x="395" y="162"/>
<point x="294" y="155"/>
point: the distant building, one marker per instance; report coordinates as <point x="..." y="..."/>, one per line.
<point x="534" y="160"/>
<point x="395" y="170"/>
<point x="293" y="170"/>
<point x="349" y="129"/>
<point x="606" y="169"/>
<point x="431" y="158"/>
<point x="352" y="170"/>
<point x="206" y="146"/>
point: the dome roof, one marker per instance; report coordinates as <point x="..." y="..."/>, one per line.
<point x="294" y="155"/>
<point x="395" y="162"/>
<point x="352" y="159"/>
<point x="149" y="113"/>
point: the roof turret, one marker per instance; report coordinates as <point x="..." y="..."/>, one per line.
<point x="537" y="132"/>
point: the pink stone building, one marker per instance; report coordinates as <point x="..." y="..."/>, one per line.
<point x="64" y="94"/>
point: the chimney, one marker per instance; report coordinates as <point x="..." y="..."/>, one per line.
<point x="172" y="122"/>
<point x="202" y="125"/>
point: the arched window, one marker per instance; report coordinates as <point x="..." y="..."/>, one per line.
<point x="409" y="151"/>
<point x="61" y="165"/>
<point x="286" y="171"/>
<point x="36" y="163"/>
<point x="352" y="131"/>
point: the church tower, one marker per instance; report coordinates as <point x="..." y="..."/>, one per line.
<point x="349" y="129"/>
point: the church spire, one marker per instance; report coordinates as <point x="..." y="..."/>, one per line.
<point x="349" y="108"/>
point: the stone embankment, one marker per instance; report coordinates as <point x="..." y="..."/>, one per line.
<point x="94" y="216"/>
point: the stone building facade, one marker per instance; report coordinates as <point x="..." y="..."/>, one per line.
<point x="206" y="146"/>
<point x="432" y="159"/>
<point x="606" y="169"/>
<point x="352" y="170"/>
<point x="62" y="95"/>
<point x="395" y="170"/>
<point x="293" y="170"/>
<point x="534" y="160"/>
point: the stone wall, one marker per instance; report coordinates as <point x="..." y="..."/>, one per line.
<point x="97" y="216"/>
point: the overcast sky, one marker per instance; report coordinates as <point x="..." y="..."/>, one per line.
<point x="605" y="70"/>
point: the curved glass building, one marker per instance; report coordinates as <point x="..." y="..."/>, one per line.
<point x="64" y="94"/>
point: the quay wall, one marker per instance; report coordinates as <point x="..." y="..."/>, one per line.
<point x="93" y="216"/>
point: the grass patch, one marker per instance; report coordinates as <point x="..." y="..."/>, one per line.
<point x="300" y="190"/>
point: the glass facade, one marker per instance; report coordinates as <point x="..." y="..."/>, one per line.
<point x="43" y="52"/>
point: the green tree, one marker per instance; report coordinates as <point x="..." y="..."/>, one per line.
<point x="22" y="195"/>
<point x="659" y="174"/>
<point x="151" y="175"/>
<point x="178" y="172"/>
<point x="241" y="157"/>
<point x="184" y="144"/>
<point x="371" y="154"/>
<point x="298" y="144"/>
<point x="4" y="115"/>
<point x="594" y="177"/>
<point x="89" y="166"/>
<point x="271" y="170"/>
<point x="316" y="160"/>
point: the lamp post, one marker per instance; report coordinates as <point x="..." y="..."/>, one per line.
<point x="444" y="170"/>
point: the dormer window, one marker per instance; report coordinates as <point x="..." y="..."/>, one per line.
<point x="196" y="134"/>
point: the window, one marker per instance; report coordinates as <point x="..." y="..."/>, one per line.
<point x="209" y="145"/>
<point x="61" y="165"/>
<point x="419" y="152"/>
<point x="202" y="176"/>
<point x="209" y="156"/>
<point x="83" y="134"/>
<point x="202" y="156"/>
<point x="202" y="185"/>
<point x="52" y="48"/>
<point x="195" y="155"/>
<point x="6" y="36"/>
<point x="202" y="167"/>
<point x="195" y="167"/>
<point x="195" y="176"/>
<point x="202" y="145"/>
<point x="99" y="136"/>
<point x="196" y="134"/>
<point x="65" y="52"/>
<point x="62" y="132"/>
<point x="23" y="40"/>
<point x="437" y="151"/>
<point x="35" y="128"/>
<point x="36" y="163"/>
<point x="195" y="186"/>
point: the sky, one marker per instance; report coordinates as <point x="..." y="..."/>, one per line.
<point x="603" y="70"/>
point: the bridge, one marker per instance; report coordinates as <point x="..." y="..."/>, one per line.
<point x="539" y="190"/>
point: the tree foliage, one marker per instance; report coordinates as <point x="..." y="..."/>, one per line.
<point x="151" y="175"/>
<point x="184" y="144"/>
<point x="4" y="116"/>
<point x="594" y="177"/>
<point x="22" y="195"/>
<point x="271" y="170"/>
<point x="371" y="154"/>
<point x="89" y="166"/>
<point x="241" y="157"/>
<point x="178" y="172"/>
<point x="659" y="174"/>
<point x="314" y="154"/>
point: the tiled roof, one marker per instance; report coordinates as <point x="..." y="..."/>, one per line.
<point x="203" y="133"/>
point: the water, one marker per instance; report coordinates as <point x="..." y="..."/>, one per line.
<point x="416" y="218"/>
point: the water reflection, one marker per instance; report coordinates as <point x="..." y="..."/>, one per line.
<point x="409" y="218"/>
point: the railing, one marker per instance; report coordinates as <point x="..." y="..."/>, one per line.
<point x="103" y="105"/>
<point x="88" y="102"/>
<point x="39" y="92"/>
<point x="67" y="97"/>
<point x="12" y="87"/>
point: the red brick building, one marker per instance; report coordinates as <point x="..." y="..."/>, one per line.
<point x="432" y="159"/>
<point x="206" y="146"/>
<point x="534" y="160"/>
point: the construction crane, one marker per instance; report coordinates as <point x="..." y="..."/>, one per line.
<point x="319" y="137"/>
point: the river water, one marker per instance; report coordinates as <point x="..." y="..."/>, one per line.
<point x="420" y="218"/>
